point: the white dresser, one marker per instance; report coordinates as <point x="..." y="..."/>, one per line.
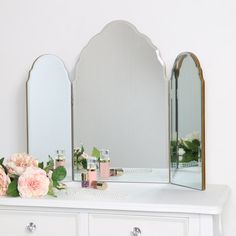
<point x="121" y="210"/>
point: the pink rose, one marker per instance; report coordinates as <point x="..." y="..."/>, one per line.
<point x="33" y="183"/>
<point x="18" y="162"/>
<point x="4" y="182"/>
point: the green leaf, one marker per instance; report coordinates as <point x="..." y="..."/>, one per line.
<point x="84" y="163"/>
<point x="81" y="151"/>
<point x="191" y="146"/>
<point x="14" y="176"/>
<point x="50" y="190"/>
<point x="41" y="165"/>
<point x="61" y="186"/>
<point x="55" y="183"/>
<point x="188" y="156"/>
<point x="59" y="174"/>
<point x="196" y="142"/>
<point x="4" y="167"/>
<point x="12" y="189"/>
<point x="50" y="164"/>
<point x="96" y="153"/>
<point x="1" y="161"/>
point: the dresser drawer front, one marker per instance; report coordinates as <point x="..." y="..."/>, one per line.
<point x="123" y="225"/>
<point x="20" y="223"/>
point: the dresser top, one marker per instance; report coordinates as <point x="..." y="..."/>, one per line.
<point x="132" y="197"/>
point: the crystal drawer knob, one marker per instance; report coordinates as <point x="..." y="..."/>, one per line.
<point x="31" y="227"/>
<point x="136" y="232"/>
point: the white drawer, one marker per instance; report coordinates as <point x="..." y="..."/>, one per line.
<point x="14" y="223"/>
<point x="122" y="225"/>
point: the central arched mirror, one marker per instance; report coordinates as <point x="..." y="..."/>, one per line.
<point x="120" y="103"/>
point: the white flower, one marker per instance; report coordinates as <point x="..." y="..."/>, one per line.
<point x="4" y="182"/>
<point x="18" y="162"/>
<point x="181" y="151"/>
<point x="190" y="137"/>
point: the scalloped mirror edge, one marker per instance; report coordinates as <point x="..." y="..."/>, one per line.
<point x="49" y="82"/>
<point x="78" y="75"/>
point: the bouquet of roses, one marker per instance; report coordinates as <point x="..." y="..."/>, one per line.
<point x="22" y="175"/>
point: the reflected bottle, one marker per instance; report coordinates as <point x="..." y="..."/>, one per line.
<point x="60" y="159"/>
<point x="92" y="170"/>
<point x="104" y="164"/>
<point x="84" y="180"/>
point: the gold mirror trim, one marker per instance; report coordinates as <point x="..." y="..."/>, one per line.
<point x="176" y="68"/>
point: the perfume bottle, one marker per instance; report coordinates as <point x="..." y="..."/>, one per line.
<point x="104" y="164"/>
<point x="60" y="159"/>
<point x="116" y="172"/>
<point x="92" y="170"/>
<point x="100" y="185"/>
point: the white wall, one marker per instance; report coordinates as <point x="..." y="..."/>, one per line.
<point x="29" y="28"/>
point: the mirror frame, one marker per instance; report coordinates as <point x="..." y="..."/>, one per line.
<point x="175" y="72"/>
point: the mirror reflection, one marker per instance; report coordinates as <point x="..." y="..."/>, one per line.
<point x="120" y="108"/>
<point x="187" y="123"/>
<point x="49" y="111"/>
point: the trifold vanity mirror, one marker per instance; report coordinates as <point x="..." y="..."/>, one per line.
<point x="121" y="102"/>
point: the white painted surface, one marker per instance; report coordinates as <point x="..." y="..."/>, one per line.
<point x="155" y="209"/>
<point x="134" y="197"/>
<point x="31" y="28"/>
<point x="46" y="223"/>
<point x="117" y="225"/>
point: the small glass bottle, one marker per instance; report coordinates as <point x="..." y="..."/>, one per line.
<point x="104" y="164"/>
<point x="100" y="185"/>
<point x="116" y="172"/>
<point x="84" y="180"/>
<point x="60" y="160"/>
<point x="92" y="170"/>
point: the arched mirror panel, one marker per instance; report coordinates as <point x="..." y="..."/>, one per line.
<point x="49" y="110"/>
<point x="187" y="123"/>
<point x="121" y="103"/>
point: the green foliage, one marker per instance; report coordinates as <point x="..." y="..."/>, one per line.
<point x="3" y="166"/>
<point x="173" y="151"/>
<point x="79" y="160"/>
<point x="80" y="151"/>
<point x="96" y="153"/>
<point x="191" y="149"/>
<point x="84" y="163"/>
<point x="50" y="189"/>
<point x="50" y="164"/>
<point x="41" y="165"/>
<point x="59" y="174"/>
<point x="12" y="188"/>
<point x="188" y="157"/>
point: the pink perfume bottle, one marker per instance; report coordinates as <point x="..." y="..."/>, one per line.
<point x="92" y="170"/>
<point x="104" y="164"/>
